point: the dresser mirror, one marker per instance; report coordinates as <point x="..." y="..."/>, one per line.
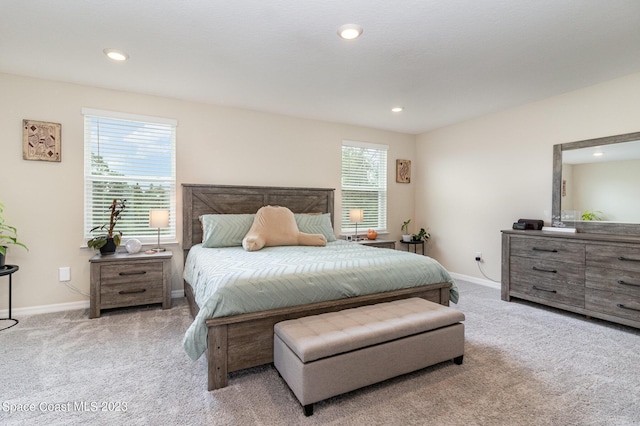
<point x="602" y="178"/>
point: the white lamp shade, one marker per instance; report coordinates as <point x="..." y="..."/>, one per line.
<point x="158" y="218"/>
<point x="356" y="215"/>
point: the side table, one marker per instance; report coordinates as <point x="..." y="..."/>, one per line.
<point x="121" y="279"/>
<point x="415" y="245"/>
<point x="9" y="270"/>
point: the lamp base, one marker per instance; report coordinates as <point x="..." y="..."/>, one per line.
<point x="158" y="249"/>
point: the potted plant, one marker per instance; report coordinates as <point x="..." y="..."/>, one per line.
<point x="108" y="241"/>
<point x="421" y="235"/>
<point x="405" y="230"/>
<point x="592" y="215"/>
<point x="8" y="236"/>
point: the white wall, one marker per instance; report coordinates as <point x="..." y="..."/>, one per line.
<point x="470" y="180"/>
<point x="609" y="188"/>
<point x="476" y="178"/>
<point x="214" y="145"/>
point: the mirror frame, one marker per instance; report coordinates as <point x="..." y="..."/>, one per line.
<point x="593" y="227"/>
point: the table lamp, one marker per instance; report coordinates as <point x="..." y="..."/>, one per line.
<point x="158" y="219"/>
<point x="356" y="216"/>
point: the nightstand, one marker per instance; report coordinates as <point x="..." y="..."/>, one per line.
<point x="124" y="279"/>
<point x="388" y="244"/>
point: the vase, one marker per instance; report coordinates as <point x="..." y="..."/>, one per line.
<point x="109" y="248"/>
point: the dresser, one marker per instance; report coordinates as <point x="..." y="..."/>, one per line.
<point x="389" y="244"/>
<point x="597" y="275"/>
<point x="124" y="279"/>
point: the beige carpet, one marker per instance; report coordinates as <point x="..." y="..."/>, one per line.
<point x="524" y="365"/>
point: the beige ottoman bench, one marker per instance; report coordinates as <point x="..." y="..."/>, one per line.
<point x="324" y="355"/>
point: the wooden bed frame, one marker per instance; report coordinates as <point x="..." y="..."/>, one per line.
<point x="242" y="341"/>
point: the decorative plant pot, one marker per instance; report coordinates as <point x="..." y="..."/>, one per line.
<point x="2" y="256"/>
<point x="109" y="248"/>
<point x="406" y="238"/>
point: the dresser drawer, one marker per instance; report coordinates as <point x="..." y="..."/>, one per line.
<point x="130" y="272"/>
<point x="539" y="270"/>
<point x="548" y="249"/>
<point x="616" y="280"/>
<point x="550" y="291"/>
<point x="130" y="294"/>
<point x="620" y="257"/>
<point x="612" y="303"/>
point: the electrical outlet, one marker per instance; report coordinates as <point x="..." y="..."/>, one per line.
<point x="64" y="273"/>
<point x="478" y="256"/>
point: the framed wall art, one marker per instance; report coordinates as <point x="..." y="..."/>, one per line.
<point x="403" y="171"/>
<point x="41" y="141"/>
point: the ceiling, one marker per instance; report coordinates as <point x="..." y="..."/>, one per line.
<point x="621" y="151"/>
<point x="444" y="61"/>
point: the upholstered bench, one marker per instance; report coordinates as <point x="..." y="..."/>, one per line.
<point x="324" y="355"/>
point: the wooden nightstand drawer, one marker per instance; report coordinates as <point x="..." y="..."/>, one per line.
<point x="130" y="272"/>
<point x="130" y="294"/>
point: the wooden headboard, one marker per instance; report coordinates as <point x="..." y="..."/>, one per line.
<point x="198" y="199"/>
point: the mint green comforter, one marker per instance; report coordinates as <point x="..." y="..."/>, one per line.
<point x="230" y="281"/>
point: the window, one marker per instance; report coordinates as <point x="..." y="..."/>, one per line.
<point x="364" y="184"/>
<point x="134" y="158"/>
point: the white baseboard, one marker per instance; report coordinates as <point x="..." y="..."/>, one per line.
<point x="59" y="307"/>
<point x="45" y="309"/>
<point x="486" y="283"/>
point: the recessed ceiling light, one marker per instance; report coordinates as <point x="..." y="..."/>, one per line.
<point x="116" y="55"/>
<point x="397" y="109"/>
<point x="350" y="31"/>
<point x="598" y="154"/>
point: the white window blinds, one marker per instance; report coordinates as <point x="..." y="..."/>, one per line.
<point x="129" y="157"/>
<point x="364" y="184"/>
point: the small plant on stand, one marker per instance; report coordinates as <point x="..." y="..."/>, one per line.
<point x="405" y="230"/>
<point x="107" y="231"/>
<point x="421" y="235"/>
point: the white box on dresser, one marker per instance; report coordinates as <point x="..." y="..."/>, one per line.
<point x="592" y="274"/>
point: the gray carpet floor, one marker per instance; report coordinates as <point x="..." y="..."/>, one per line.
<point x="524" y="365"/>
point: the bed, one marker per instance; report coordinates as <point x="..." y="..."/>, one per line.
<point x="235" y="340"/>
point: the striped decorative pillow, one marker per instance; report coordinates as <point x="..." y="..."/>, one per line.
<point x="315" y="224"/>
<point x="225" y="230"/>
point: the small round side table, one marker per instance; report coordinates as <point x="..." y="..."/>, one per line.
<point x="9" y="270"/>
<point x="415" y="245"/>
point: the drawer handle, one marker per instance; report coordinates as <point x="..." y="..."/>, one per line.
<point x="133" y="273"/>
<point x="628" y="259"/>
<point x="620" y="305"/>
<point x="545" y="250"/>
<point x="622" y="282"/>
<point x="132" y="291"/>
<point x="544" y="289"/>
<point x="551" y="271"/>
